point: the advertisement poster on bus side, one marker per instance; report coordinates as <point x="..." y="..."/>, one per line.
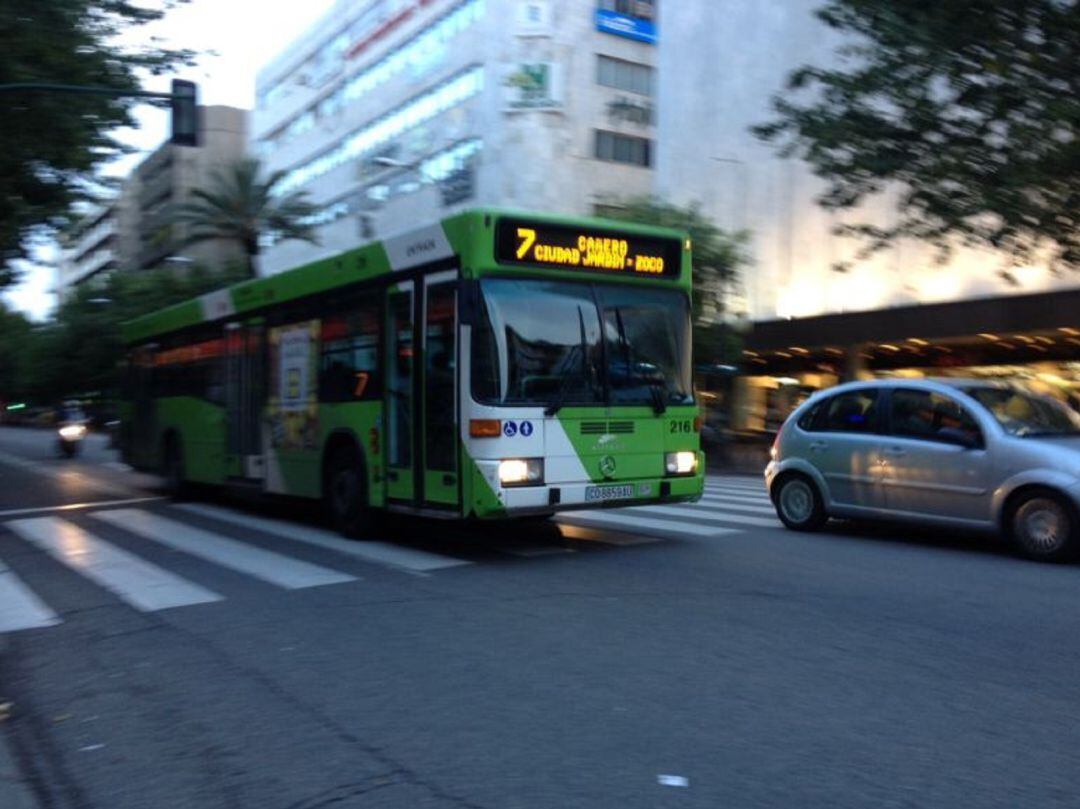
<point x="294" y="409"/>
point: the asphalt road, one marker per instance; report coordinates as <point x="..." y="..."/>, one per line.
<point x="693" y="658"/>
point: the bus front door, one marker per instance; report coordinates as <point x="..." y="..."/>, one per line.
<point x="245" y="393"/>
<point x="421" y="393"/>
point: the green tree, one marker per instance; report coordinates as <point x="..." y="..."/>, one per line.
<point x="79" y="352"/>
<point x="240" y="206"/>
<point x="718" y="261"/>
<point x="15" y="331"/>
<point x="970" y="108"/>
<point x="50" y="142"/>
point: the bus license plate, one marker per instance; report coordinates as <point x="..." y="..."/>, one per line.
<point x="601" y="493"/>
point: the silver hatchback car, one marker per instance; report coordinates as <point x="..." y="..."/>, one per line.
<point x="962" y="453"/>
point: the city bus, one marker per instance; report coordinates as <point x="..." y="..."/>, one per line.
<point x="496" y="364"/>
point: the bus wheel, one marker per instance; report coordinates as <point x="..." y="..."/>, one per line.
<point x="346" y="494"/>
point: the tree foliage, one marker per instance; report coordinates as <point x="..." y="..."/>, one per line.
<point x="970" y="108"/>
<point x="79" y="352"/>
<point x="718" y="261"/>
<point x="240" y="206"/>
<point x="50" y="142"/>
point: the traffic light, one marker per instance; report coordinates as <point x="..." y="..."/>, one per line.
<point x="185" y="113"/>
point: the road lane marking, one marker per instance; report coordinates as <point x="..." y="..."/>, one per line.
<point x="722" y="503"/>
<point x="380" y="552"/>
<point x="130" y="501"/>
<point x="684" y="513"/>
<point x="131" y="578"/>
<point x="740" y="498"/>
<point x="739" y="503"/>
<point x="641" y="524"/>
<point x="20" y="608"/>
<point x="292" y="574"/>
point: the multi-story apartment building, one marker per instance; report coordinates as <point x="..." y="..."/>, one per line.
<point x="391" y="112"/>
<point x="97" y="243"/>
<point x="137" y="229"/>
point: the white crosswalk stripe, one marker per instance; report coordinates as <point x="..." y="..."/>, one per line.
<point x="274" y="568"/>
<point x="729" y="504"/>
<point x="639" y="524"/>
<point x="380" y="552"/>
<point x="705" y="515"/>
<point x="20" y="608"/>
<point x="141" y="584"/>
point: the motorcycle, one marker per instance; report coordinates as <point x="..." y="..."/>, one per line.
<point x="69" y="436"/>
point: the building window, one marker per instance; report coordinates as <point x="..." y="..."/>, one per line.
<point x="623" y="148"/>
<point x="641" y="9"/>
<point x="622" y="75"/>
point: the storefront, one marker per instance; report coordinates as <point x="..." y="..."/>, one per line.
<point x="1034" y="338"/>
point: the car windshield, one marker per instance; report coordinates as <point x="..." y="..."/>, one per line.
<point x="1025" y="415"/>
<point x="557" y="342"/>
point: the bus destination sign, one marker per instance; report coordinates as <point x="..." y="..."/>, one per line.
<point x="544" y="245"/>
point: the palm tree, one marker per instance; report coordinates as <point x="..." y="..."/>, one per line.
<point x="240" y="206"/>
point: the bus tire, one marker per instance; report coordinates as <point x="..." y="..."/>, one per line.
<point x="345" y="493"/>
<point x="172" y="468"/>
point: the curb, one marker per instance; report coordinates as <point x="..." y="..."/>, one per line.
<point x="15" y="792"/>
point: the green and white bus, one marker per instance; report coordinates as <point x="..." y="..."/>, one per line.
<point x="496" y="364"/>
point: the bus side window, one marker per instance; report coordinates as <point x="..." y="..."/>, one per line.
<point x="349" y="366"/>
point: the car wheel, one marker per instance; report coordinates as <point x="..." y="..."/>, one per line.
<point x="346" y="494"/>
<point x="1044" y="528"/>
<point x="798" y="503"/>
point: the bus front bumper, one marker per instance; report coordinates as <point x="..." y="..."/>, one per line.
<point x="523" y="501"/>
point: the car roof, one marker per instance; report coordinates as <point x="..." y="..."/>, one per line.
<point x="940" y="384"/>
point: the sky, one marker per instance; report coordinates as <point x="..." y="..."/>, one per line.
<point x="236" y="37"/>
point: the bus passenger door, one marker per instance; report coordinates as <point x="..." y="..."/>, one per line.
<point x="439" y="429"/>
<point x="400" y="393"/>
<point x="245" y="393"/>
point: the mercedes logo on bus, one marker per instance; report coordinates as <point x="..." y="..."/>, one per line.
<point x="607" y="466"/>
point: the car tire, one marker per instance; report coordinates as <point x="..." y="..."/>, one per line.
<point x="1044" y="527"/>
<point x="798" y="503"/>
<point x="346" y="494"/>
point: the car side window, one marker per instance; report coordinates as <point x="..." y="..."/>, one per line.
<point x="924" y="415"/>
<point x="806" y="420"/>
<point x="851" y="412"/>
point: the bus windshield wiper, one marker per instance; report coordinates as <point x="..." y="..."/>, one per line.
<point x="657" y="390"/>
<point x="569" y="375"/>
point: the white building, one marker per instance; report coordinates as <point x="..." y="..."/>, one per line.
<point x="720" y="66"/>
<point x="137" y="229"/>
<point x="392" y="112"/>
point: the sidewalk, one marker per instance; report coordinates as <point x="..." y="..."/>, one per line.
<point x="15" y="793"/>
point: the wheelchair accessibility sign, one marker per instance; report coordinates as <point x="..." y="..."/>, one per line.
<point x="512" y="428"/>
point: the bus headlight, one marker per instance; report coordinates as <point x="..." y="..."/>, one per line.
<point x="521" y="472"/>
<point x="680" y="463"/>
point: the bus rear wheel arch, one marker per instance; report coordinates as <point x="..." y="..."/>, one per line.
<point x="345" y="489"/>
<point x="172" y="465"/>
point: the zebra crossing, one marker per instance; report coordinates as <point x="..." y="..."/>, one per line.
<point x="252" y="546"/>
<point x="730" y="505"/>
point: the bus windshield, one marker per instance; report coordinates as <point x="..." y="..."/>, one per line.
<point x="558" y="342"/>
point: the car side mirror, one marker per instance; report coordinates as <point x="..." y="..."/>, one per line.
<point x="960" y="438"/>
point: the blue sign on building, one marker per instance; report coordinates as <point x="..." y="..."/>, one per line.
<point x="611" y="22"/>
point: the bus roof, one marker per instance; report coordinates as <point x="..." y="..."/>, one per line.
<point x="458" y="235"/>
